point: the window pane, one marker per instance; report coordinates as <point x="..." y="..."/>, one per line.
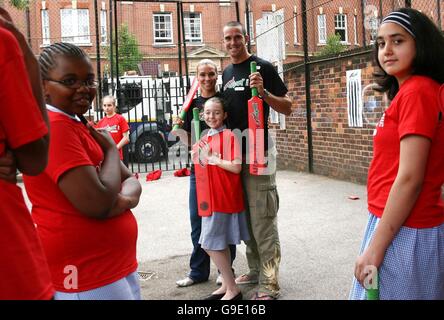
<point x="341" y="26"/>
<point x="103" y="27"/>
<point x="192" y="22"/>
<point x="67" y="25"/>
<point x="45" y="27"/>
<point x="75" y="25"/>
<point x="251" y="29"/>
<point x="341" y="34"/>
<point x="322" y="31"/>
<point x="374" y="24"/>
<point x="83" y="23"/>
<point x="162" y="28"/>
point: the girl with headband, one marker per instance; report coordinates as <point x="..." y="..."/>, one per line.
<point x="403" y="246"/>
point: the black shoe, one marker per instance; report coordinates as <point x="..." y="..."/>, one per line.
<point x="237" y="297"/>
<point x="214" y="296"/>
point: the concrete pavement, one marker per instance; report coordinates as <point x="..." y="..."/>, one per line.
<point x="320" y="233"/>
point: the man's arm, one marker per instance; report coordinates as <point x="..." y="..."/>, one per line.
<point x="280" y="104"/>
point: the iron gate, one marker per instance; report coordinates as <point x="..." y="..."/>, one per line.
<point x="155" y="46"/>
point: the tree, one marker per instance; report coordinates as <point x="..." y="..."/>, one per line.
<point x="19" y="4"/>
<point x="334" y="46"/>
<point x="129" y="53"/>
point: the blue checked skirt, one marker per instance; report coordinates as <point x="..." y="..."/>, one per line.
<point x="413" y="266"/>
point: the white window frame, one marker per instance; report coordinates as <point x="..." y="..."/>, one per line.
<point x="46" y="36"/>
<point x="170" y="31"/>
<point x="355" y="26"/>
<point x="224" y="2"/>
<point x="187" y="23"/>
<point x="251" y="31"/>
<point x="103" y="27"/>
<point x="341" y="24"/>
<point x="295" y="28"/>
<point x="71" y="26"/>
<point x="374" y="26"/>
<point x="322" y="29"/>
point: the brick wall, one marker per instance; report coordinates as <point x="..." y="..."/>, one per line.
<point x="338" y="150"/>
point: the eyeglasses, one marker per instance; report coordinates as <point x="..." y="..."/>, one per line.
<point x="76" y="83"/>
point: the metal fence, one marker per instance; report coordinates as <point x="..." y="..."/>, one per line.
<point x="158" y="45"/>
<point x="145" y="51"/>
<point x="321" y="27"/>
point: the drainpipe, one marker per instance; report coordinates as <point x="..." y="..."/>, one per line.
<point x="307" y="87"/>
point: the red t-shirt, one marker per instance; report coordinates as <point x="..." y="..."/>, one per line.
<point x="102" y="251"/>
<point x="226" y="187"/>
<point x="24" y="273"/>
<point x="414" y="111"/>
<point x="116" y="126"/>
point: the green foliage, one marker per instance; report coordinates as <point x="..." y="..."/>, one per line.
<point x="333" y="46"/>
<point x="19" y="4"/>
<point x="129" y="53"/>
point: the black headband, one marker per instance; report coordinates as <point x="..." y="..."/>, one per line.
<point x="400" y="18"/>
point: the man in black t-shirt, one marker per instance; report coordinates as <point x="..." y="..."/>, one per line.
<point x="263" y="250"/>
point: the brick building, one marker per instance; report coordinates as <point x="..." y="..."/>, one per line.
<point x="155" y="26"/>
<point x="339" y="150"/>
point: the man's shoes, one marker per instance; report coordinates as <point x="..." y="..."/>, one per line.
<point x="185" y="282"/>
<point x="256" y="296"/>
<point x="246" y="279"/>
<point x="214" y="296"/>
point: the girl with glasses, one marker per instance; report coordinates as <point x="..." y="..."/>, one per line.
<point x="82" y="201"/>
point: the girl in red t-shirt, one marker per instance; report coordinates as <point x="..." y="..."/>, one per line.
<point x="403" y="246"/>
<point x="206" y="73"/>
<point x="227" y="225"/>
<point x="114" y="123"/>
<point x="24" y="140"/>
<point x="82" y="201"/>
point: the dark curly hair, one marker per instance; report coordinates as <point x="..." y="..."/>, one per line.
<point x="429" y="43"/>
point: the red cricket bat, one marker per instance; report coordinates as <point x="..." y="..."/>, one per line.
<point x="256" y="129"/>
<point x="187" y="103"/>
<point x="203" y="188"/>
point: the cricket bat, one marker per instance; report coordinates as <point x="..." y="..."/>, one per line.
<point x="256" y="130"/>
<point x="203" y="188"/>
<point x="372" y="294"/>
<point x="196" y="123"/>
<point x="187" y="103"/>
<point x="373" y="288"/>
